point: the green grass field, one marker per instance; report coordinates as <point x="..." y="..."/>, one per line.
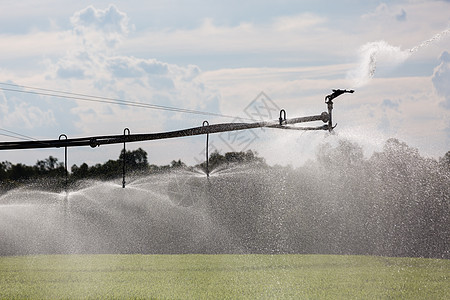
<point x="223" y="277"/>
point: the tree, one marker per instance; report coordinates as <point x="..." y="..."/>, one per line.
<point x="242" y="157"/>
<point x="80" y="172"/>
<point x="49" y="167"/>
<point x="215" y="160"/>
<point x="5" y="166"/>
<point x="135" y="160"/>
<point x="20" y="172"/>
<point x="177" y="164"/>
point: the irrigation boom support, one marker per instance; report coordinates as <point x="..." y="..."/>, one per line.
<point x="95" y="141"/>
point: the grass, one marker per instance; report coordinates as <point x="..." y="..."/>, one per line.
<point x="222" y="277"/>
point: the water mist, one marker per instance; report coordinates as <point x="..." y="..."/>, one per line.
<point x="380" y="52"/>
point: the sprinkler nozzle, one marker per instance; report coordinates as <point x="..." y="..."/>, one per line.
<point x="329" y="101"/>
<point x="336" y="93"/>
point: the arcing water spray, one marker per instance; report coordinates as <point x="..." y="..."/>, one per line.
<point x="374" y="52"/>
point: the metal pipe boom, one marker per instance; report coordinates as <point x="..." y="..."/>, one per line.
<point x="96" y="141"/>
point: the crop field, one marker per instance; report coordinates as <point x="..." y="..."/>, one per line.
<point x="222" y="277"/>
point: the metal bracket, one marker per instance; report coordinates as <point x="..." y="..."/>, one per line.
<point x="329" y="101"/>
<point x="66" y="173"/>
<point x="123" y="158"/>
<point x="207" y="146"/>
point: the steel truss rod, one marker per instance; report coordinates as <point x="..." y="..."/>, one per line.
<point x="96" y="141"/>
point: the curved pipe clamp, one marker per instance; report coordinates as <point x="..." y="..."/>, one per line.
<point x="282" y="117"/>
<point x="62" y="135"/>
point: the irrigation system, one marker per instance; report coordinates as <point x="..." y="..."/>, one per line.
<point x="95" y="141"/>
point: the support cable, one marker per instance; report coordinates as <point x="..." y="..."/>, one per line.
<point x="100" y="99"/>
<point x="16" y="135"/>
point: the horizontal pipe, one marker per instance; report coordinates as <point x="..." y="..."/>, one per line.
<point x="95" y="141"/>
<point x="323" y="127"/>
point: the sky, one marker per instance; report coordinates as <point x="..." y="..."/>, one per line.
<point x="245" y="60"/>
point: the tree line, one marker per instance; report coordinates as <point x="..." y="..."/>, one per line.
<point x="136" y="161"/>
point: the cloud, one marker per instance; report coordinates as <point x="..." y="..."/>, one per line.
<point x="389" y="104"/>
<point x="109" y="20"/>
<point x="91" y="64"/>
<point x="96" y="67"/>
<point x="298" y="22"/>
<point x="24" y="111"/>
<point x="93" y="25"/>
<point x="381" y="10"/>
<point x="401" y="16"/>
<point x="123" y="67"/>
<point x="441" y="79"/>
<point x="386" y="12"/>
<point x="70" y="72"/>
<point x="154" y="67"/>
<point x="295" y="34"/>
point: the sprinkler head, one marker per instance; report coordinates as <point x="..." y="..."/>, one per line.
<point x="329" y="101"/>
<point x="336" y="93"/>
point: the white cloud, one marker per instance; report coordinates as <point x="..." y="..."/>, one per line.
<point x="109" y="25"/>
<point x="108" y="20"/>
<point x="290" y="39"/>
<point x="96" y="68"/>
<point x="24" y="112"/>
<point x="441" y="79"/>
<point x="297" y="89"/>
<point x="92" y="66"/>
<point x="381" y="10"/>
<point x="386" y="12"/>
<point x="23" y="49"/>
<point x="288" y="34"/>
<point x="301" y="22"/>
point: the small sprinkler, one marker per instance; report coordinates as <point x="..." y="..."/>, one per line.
<point x="329" y="101"/>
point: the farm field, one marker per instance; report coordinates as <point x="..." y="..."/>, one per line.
<point x="247" y="276"/>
